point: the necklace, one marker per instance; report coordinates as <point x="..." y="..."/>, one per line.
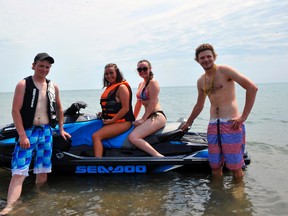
<point x="208" y="90"/>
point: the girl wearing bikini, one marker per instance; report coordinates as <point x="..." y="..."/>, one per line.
<point x="153" y="118"/>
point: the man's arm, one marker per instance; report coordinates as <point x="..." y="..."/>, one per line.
<point x="59" y="113"/>
<point x="198" y="106"/>
<point x="248" y="85"/>
<point x="16" y="115"/>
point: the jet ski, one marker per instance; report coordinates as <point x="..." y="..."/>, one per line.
<point x="183" y="151"/>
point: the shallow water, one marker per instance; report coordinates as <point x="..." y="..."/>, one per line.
<point x="263" y="191"/>
<point x="161" y="194"/>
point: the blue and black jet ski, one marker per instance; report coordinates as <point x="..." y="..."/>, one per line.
<point x="183" y="151"/>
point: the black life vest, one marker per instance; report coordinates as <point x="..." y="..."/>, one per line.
<point x="30" y="103"/>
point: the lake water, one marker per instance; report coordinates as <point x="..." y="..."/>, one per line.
<point x="263" y="191"/>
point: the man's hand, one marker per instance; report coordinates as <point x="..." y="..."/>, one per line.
<point x="237" y="122"/>
<point x="65" y="135"/>
<point x="24" y="142"/>
<point x="185" y="127"/>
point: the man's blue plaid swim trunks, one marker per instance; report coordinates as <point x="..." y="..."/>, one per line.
<point x="40" y="138"/>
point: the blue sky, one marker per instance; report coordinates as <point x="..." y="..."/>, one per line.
<point x="84" y="35"/>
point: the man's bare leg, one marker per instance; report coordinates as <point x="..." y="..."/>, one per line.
<point x="14" y="192"/>
<point x="217" y="172"/>
<point x="41" y="178"/>
<point x="238" y="174"/>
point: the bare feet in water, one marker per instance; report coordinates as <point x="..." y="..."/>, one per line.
<point x="6" y="210"/>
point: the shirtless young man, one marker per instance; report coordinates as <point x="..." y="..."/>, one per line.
<point x="35" y="106"/>
<point x="226" y="131"/>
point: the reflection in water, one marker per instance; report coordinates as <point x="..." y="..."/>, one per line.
<point x="167" y="194"/>
<point x="187" y="195"/>
<point x="202" y="195"/>
<point x="96" y="195"/>
<point x="228" y="197"/>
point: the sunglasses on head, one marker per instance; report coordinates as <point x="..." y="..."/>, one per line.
<point x="143" y="68"/>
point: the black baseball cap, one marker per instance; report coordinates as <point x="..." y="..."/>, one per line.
<point x="43" y="56"/>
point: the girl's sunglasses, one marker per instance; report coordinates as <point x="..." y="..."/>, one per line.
<point x="143" y="68"/>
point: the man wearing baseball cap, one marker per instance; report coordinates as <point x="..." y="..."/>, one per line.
<point x="43" y="56"/>
<point x="36" y="104"/>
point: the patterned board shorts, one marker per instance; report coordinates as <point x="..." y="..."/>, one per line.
<point x="40" y="138"/>
<point x="225" y="144"/>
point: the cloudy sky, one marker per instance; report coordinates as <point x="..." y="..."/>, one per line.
<point x="84" y="35"/>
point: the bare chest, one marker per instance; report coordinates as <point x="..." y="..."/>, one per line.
<point x="217" y="84"/>
<point x="41" y="116"/>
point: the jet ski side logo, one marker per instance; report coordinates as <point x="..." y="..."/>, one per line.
<point x="110" y="169"/>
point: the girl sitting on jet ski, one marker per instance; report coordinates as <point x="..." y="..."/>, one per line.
<point x="116" y="104"/>
<point x="153" y="118"/>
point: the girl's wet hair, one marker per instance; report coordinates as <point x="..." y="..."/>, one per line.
<point x="119" y="75"/>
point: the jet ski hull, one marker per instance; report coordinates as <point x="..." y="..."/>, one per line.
<point x="184" y="152"/>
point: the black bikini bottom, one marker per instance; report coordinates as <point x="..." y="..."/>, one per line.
<point x="155" y="114"/>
